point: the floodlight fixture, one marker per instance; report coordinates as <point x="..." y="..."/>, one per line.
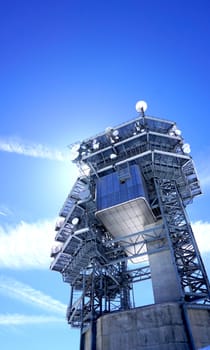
<point x="56" y="249"/>
<point x="59" y="222"/>
<point x="186" y="148"/>
<point x="83" y="146"/>
<point x="177" y="132"/>
<point x="108" y="130"/>
<point x="95" y="145"/>
<point x="115" y="133"/>
<point x="113" y="156"/>
<point x="75" y="221"/>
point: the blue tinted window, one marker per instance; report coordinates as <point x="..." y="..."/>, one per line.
<point x="111" y="191"/>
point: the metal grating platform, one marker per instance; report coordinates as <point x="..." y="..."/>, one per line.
<point x="124" y="220"/>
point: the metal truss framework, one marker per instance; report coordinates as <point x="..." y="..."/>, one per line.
<point x="190" y="268"/>
<point x="95" y="263"/>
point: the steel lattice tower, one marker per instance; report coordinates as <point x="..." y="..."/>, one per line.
<point x="124" y="221"/>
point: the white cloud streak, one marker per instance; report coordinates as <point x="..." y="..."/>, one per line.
<point x="203" y="168"/>
<point x="26" y="294"/>
<point x="18" y="319"/>
<point x="27" y="245"/>
<point x="32" y="150"/>
<point x="205" y="181"/>
<point x="202" y="235"/>
<point x="4" y="211"/>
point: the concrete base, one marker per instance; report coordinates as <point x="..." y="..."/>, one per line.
<point x="153" y="327"/>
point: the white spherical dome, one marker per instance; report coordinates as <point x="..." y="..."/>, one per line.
<point x="141" y="106"/>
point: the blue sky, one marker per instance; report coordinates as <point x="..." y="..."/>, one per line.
<point x="68" y="70"/>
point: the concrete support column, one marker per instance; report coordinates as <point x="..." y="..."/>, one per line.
<point x="165" y="283"/>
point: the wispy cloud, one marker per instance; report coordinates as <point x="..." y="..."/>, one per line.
<point x="202" y="231"/>
<point x="18" y="319"/>
<point x="205" y="180"/>
<point x="27" y="245"/>
<point x="31" y="149"/>
<point x="4" y="211"/>
<point x="26" y="294"/>
<point x="203" y="168"/>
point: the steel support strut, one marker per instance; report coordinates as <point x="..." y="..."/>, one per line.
<point x="190" y="269"/>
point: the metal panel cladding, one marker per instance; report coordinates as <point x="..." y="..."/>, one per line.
<point x="119" y="187"/>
